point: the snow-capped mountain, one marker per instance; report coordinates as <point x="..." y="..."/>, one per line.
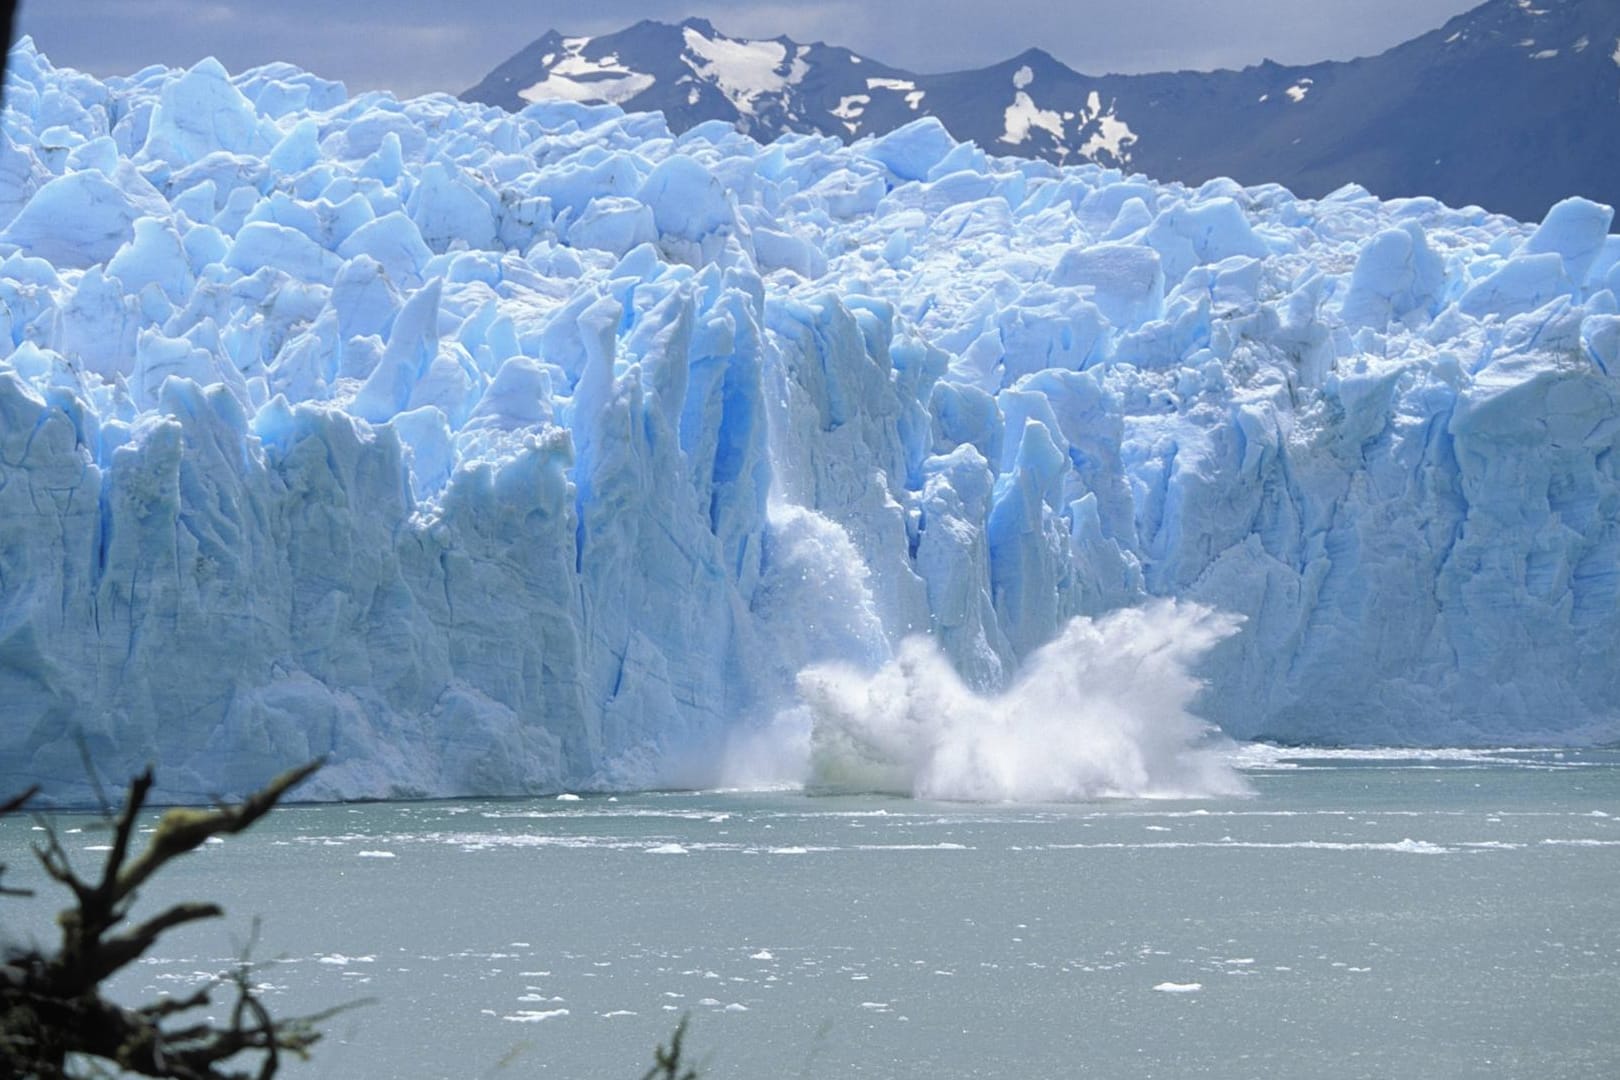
<point x="1505" y="106"/>
<point x="693" y="73"/>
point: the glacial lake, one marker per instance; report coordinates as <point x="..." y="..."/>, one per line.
<point x="1416" y="914"/>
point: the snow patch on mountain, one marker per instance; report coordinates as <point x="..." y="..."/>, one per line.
<point x="913" y="97"/>
<point x="744" y="71"/>
<point x="1023" y="116"/>
<point x="1111" y="137"/>
<point x="850" y="109"/>
<point x="574" y="77"/>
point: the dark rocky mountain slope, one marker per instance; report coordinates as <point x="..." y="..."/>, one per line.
<point x="1510" y="106"/>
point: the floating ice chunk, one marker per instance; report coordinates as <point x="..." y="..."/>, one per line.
<point x="535" y="1016"/>
<point x="341" y="960"/>
<point x="668" y="849"/>
<point x="1178" y="988"/>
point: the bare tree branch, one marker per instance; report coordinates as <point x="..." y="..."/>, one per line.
<point x="89" y="763"/>
<point x="51" y="1006"/>
<point x="17" y="802"/>
<point x="183" y="829"/>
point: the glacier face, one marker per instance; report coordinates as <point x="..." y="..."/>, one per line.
<point x="493" y="453"/>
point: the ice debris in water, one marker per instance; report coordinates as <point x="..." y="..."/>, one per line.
<point x="489" y="452"/>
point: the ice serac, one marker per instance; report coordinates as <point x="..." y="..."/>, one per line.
<point x="496" y="453"/>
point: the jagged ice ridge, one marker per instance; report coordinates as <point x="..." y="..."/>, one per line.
<point x="499" y="453"/>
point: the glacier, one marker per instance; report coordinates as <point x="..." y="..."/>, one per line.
<point x="492" y="453"/>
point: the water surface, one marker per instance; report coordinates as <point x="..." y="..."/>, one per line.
<point x="1433" y="915"/>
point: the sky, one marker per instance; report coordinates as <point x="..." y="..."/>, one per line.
<point x="416" y="46"/>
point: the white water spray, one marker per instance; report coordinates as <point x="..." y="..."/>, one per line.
<point x="1101" y="711"/>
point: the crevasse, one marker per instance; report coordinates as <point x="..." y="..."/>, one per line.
<point x="493" y="453"/>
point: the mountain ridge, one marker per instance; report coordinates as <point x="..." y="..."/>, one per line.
<point x="1452" y="113"/>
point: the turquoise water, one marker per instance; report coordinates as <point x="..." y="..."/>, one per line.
<point x="1444" y="915"/>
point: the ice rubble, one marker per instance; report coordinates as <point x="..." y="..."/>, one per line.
<point x="493" y="453"/>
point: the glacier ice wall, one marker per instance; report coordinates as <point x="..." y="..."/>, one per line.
<point x="498" y="453"/>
